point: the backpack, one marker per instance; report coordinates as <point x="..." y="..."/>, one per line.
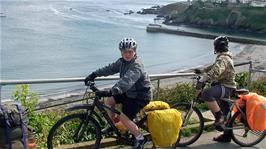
<point x="164" y="126"/>
<point x="12" y="126"/>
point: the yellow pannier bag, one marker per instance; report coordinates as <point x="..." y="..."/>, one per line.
<point x="156" y="105"/>
<point x="164" y="126"/>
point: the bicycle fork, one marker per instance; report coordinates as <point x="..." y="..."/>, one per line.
<point x="188" y="114"/>
<point x="79" y="132"/>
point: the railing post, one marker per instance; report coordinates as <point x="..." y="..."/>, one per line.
<point x="249" y="74"/>
<point x="158" y="89"/>
<point x="0" y="94"/>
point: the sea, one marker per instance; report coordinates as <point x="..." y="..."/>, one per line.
<point x="47" y="39"/>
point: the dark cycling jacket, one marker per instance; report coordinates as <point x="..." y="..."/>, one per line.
<point x="134" y="81"/>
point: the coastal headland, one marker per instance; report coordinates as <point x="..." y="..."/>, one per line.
<point x="237" y="16"/>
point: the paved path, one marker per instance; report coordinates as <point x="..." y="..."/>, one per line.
<point x="205" y="142"/>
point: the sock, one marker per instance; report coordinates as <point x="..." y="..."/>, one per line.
<point x="218" y="114"/>
<point x="140" y="137"/>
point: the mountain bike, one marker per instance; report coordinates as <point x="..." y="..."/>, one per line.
<point x="86" y="122"/>
<point x="193" y="122"/>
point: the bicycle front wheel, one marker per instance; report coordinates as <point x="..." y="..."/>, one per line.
<point x="73" y="129"/>
<point x="242" y="135"/>
<point x="192" y="126"/>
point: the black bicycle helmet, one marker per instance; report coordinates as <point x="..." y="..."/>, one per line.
<point x="127" y="44"/>
<point x="220" y="44"/>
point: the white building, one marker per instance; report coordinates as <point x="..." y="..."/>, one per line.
<point x="245" y="1"/>
<point x="258" y="3"/>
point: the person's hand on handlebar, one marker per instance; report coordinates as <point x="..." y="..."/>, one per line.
<point x="197" y="71"/>
<point x="201" y="83"/>
<point x="107" y="93"/>
<point x="90" y="78"/>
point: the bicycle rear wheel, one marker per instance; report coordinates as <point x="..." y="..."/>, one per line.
<point x="192" y="126"/>
<point x="73" y="129"/>
<point x="242" y="135"/>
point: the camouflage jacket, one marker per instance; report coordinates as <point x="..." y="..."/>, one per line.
<point x="134" y="81"/>
<point x="222" y="70"/>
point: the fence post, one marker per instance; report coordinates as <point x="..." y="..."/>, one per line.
<point x="0" y="94"/>
<point x="249" y="74"/>
<point x="158" y="89"/>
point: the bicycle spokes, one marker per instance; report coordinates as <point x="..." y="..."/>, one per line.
<point x="243" y="135"/>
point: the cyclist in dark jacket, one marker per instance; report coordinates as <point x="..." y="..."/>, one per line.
<point x="133" y="90"/>
<point x="222" y="76"/>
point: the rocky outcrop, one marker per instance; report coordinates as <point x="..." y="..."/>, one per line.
<point x="152" y="10"/>
<point x="207" y="14"/>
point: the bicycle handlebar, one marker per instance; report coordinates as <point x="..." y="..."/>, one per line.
<point x="92" y="86"/>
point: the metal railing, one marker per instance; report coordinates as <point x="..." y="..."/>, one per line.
<point x="154" y="77"/>
<point x="79" y="79"/>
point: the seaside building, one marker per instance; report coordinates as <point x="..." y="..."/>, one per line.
<point x="253" y="3"/>
<point x="261" y="3"/>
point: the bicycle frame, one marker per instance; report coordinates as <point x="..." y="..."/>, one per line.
<point x="90" y="109"/>
<point x="191" y="104"/>
<point x="191" y="107"/>
<point x="229" y="115"/>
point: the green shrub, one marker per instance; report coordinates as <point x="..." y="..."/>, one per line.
<point x="28" y="100"/>
<point x="259" y="86"/>
<point x="242" y="79"/>
<point x="181" y="92"/>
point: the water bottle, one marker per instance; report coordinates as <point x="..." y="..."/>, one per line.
<point x="121" y="127"/>
<point x="31" y="139"/>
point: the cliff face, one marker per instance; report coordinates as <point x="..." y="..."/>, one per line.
<point x="207" y="14"/>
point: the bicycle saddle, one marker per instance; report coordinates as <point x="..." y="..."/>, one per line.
<point x="242" y="91"/>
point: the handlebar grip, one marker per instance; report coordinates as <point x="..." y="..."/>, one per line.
<point x="92" y="86"/>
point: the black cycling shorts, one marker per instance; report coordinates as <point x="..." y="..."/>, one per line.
<point x="130" y="106"/>
<point x="216" y="92"/>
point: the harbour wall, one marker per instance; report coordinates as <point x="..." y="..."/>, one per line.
<point x="154" y="28"/>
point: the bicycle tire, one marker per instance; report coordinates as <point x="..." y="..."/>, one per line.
<point x="59" y="134"/>
<point x="242" y="135"/>
<point x="194" y="125"/>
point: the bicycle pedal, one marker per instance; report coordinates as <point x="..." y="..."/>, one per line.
<point x="220" y="128"/>
<point x="109" y="135"/>
<point x="125" y="141"/>
<point x="107" y="130"/>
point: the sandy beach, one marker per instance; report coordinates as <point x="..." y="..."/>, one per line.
<point x="254" y="53"/>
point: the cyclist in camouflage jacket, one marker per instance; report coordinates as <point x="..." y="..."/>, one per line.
<point x="133" y="90"/>
<point x="222" y="76"/>
<point x="222" y="70"/>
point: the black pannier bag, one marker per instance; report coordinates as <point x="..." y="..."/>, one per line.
<point x="12" y="126"/>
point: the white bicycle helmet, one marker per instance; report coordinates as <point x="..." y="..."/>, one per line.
<point x="127" y="44"/>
